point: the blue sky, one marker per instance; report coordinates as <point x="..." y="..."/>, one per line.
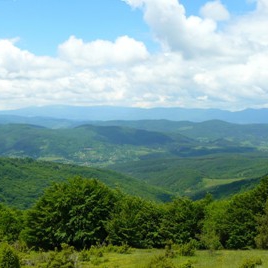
<point x="142" y="53"/>
<point x="43" y="24"/>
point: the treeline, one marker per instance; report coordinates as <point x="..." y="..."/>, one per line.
<point x="83" y="212"/>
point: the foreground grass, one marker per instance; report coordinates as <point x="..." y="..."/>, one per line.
<point x="138" y="258"/>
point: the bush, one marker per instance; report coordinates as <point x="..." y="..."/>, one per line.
<point x="96" y="251"/>
<point x="169" y="250"/>
<point x="187" y="264"/>
<point x="251" y="263"/>
<point x="8" y="257"/>
<point x="160" y="261"/>
<point x="65" y="258"/>
<point x="84" y="255"/>
<point x="188" y="249"/>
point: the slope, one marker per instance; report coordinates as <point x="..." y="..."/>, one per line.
<point x="22" y="181"/>
<point x="199" y="175"/>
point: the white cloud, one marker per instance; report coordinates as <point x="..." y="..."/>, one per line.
<point x="124" y="50"/>
<point x="215" y="10"/>
<point x="201" y="64"/>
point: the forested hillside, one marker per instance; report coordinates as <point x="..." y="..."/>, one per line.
<point x="180" y="157"/>
<point x="221" y="174"/>
<point x="22" y="181"/>
<point x="84" y="212"/>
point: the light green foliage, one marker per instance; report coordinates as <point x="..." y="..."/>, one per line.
<point x="214" y="229"/>
<point x="186" y="264"/>
<point x="160" y="261"/>
<point x="74" y="212"/>
<point x="66" y="258"/>
<point x="251" y="262"/>
<point x="188" y="249"/>
<point x="8" y="257"/>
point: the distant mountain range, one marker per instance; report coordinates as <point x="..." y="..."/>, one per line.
<point x="106" y="113"/>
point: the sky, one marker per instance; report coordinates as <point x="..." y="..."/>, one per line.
<point x="136" y="53"/>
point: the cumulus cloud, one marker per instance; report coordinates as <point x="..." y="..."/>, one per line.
<point x="216" y="59"/>
<point x="215" y="10"/>
<point x="124" y="50"/>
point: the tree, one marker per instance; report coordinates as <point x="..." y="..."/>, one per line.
<point x="135" y="222"/>
<point x="11" y="224"/>
<point x="181" y="220"/>
<point x="74" y="212"/>
<point x="8" y="257"/>
<point x="214" y="230"/>
<point x="262" y="237"/>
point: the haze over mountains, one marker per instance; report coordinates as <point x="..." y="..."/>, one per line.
<point x="105" y="113"/>
<point x="181" y="151"/>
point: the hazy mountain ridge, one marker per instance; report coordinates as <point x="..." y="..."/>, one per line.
<point x="105" y="113"/>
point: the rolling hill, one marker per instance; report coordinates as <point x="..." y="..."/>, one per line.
<point x="22" y="181"/>
<point x="179" y="157"/>
<point x="220" y="174"/>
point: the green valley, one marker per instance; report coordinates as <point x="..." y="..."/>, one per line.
<point x="182" y="158"/>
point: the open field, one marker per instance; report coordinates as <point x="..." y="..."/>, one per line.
<point x="138" y="258"/>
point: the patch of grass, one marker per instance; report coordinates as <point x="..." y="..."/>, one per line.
<point x="207" y="182"/>
<point x="139" y="258"/>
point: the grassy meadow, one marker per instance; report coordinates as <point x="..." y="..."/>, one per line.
<point x="141" y="258"/>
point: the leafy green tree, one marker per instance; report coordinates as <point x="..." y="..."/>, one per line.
<point x="242" y="216"/>
<point x="74" y="212"/>
<point x="262" y="237"/>
<point x="181" y="220"/>
<point x="8" y="257"/>
<point x="214" y="230"/>
<point x="11" y="224"/>
<point x="135" y="222"/>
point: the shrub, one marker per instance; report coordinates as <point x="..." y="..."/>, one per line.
<point x="160" y="261"/>
<point x="251" y="262"/>
<point x="8" y="257"/>
<point x="96" y="251"/>
<point x="187" y="264"/>
<point x="84" y="255"/>
<point x="169" y="250"/>
<point x="188" y="249"/>
<point x="65" y="258"/>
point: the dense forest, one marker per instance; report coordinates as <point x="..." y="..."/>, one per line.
<point x="83" y="213"/>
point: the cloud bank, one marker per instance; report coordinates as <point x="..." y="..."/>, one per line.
<point x="215" y="60"/>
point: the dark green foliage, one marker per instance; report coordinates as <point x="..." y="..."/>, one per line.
<point x="180" y="221"/>
<point x="138" y="137"/>
<point x="234" y="223"/>
<point x="262" y="229"/>
<point x="135" y="222"/>
<point x="8" y="257"/>
<point x="11" y="224"/>
<point x="74" y="212"/>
